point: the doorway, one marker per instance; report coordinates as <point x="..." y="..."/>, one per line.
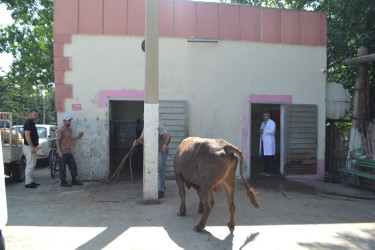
<point x="257" y="110"/>
<point x="125" y="125"/>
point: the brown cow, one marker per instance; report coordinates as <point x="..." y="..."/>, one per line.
<point x="204" y="164"/>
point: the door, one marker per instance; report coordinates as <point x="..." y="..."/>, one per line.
<point x="173" y="115"/>
<point x="301" y="135"/>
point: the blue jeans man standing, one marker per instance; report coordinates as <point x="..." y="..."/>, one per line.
<point x="161" y="173"/>
<point x="164" y="140"/>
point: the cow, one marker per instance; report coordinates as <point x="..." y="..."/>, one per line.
<point x="205" y="164"/>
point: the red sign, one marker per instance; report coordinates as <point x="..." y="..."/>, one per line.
<point x="76" y="107"/>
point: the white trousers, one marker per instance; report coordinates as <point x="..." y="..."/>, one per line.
<point x="30" y="164"/>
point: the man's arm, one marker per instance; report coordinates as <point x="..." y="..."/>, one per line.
<point x="78" y="137"/>
<point x="58" y="143"/>
<point x="139" y="141"/>
<point x="28" y="139"/>
<point x="165" y="142"/>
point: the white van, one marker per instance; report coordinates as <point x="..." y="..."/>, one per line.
<point x="46" y="134"/>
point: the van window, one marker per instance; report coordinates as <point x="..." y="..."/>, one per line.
<point x="42" y="132"/>
<point x="53" y="133"/>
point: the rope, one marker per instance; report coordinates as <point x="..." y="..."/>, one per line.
<point x="118" y="170"/>
<point x="171" y="155"/>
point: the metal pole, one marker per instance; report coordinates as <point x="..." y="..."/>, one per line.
<point x="151" y="105"/>
<point x="44" y="108"/>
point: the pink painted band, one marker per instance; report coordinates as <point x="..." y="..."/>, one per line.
<point x="104" y="94"/>
<point x="287" y="99"/>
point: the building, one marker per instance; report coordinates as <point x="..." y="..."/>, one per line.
<point x="221" y="66"/>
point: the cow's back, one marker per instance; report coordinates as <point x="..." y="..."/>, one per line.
<point x="194" y="153"/>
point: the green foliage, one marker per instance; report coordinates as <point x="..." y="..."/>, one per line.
<point x="30" y="40"/>
<point x="20" y="101"/>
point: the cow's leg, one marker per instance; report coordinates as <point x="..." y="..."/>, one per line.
<point x="229" y="184"/>
<point x="229" y="189"/>
<point x="200" y="208"/>
<point x="208" y="202"/>
<point x="182" y="192"/>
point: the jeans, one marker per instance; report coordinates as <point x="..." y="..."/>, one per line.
<point x="68" y="159"/>
<point x="30" y="163"/>
<point x="161" y="171"/>
<point x="269" y="163"/>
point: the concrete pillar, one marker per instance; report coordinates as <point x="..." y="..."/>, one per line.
<point x="151" y="114"/>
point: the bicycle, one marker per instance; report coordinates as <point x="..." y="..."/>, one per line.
<point x="54" y="160"/>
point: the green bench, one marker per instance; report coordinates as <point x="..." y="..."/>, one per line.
<point x="360" y="164"/>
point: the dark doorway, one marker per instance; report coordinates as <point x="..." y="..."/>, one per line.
<point x="257" y="110"/>
<point x="126" y="124"/>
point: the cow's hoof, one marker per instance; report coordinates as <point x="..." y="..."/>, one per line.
<point x="197" y="229"/>
<point x="200" y="210"/>
<point x="231" y="224"/>
<point x="182" y="213"/>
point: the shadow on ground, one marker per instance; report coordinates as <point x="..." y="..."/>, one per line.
<point x="118" y="207"/>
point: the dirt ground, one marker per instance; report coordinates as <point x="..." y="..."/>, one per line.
<point x="295" y="214"/>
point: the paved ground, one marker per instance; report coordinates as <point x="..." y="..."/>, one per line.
<point x="294" y="215"/>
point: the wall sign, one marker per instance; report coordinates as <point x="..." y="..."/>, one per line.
<point x="76" y="107"/>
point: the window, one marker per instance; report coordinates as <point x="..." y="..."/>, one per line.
<point x="42" y="132"/>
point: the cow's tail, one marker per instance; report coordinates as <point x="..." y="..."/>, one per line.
<point x="251" y="194"/>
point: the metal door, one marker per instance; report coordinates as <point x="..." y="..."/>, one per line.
<point x="301" y="135"/>
<point x="173" y="115"/>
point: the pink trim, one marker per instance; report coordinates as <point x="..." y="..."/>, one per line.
<point x="191" y="19"/>
<point x="271" y="25"/>
<point x="115" y="17"/>
<point x="91" y="17"/>
<point x="63" y="91"/>
<point x="229" y="22"/>
<point x="62" y="38"/>
<point x="59" y="77"/>
<point x="323" y="29"/>
<point x="59" y="104"/>
<point x="309" y="28"/>
<point x="290" y="27"/>
<point x="62" y="63"/>
<point x="318" y="176"/>
<point x="207" y="20"/>
<point x="136" y="17"/>
<point x="185" y="19"/>
<point x="104" y="94"/>
<point x="250" y="23"/>
<point x="287" y="99"/>
<point x="65" y="16"/>
<point x="58" y="49"/>
<point x="166" y="18"/>
<point x="245" y="128"/>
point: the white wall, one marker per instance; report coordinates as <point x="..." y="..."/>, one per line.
<point x="213" y="78"/>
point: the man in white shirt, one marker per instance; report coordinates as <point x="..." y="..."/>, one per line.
<point x="267" y="145"/>
<point x="3" y="199"/>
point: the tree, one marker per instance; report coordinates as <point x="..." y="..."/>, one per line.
<point x="19" y="100"/>
<point x="350" y="25"/>
<point x="30" y="40"/>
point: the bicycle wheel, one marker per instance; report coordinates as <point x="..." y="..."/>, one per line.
<point x="53" y="164"/>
